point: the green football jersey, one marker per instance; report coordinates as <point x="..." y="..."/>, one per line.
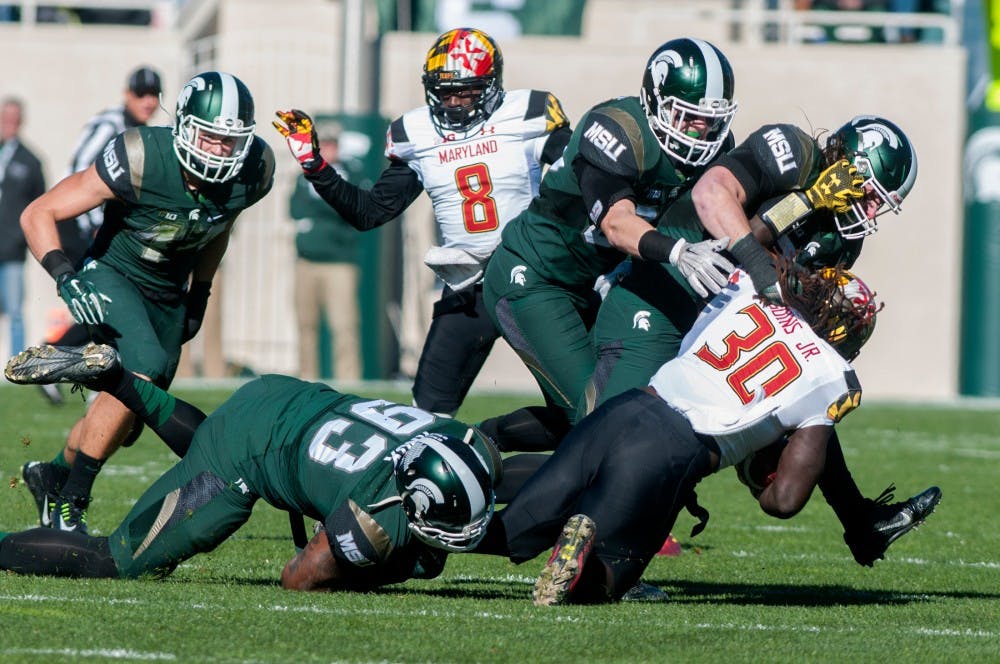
<point x="308" y="448"/>
<point x="156" y="227"/>
<point x="555" y="234"/>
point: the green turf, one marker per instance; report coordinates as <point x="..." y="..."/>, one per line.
<point x="750" y="588"/>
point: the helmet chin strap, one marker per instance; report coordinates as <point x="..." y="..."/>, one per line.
<point x="382" y="504"/>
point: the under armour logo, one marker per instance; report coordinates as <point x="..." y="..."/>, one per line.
<point x="517" y="275"/>
<point x="640" y="321"/>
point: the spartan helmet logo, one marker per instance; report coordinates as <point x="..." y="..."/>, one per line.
<point x="423" y="493"/>
<point x="640" y="321"/>
<point x="517" y="275"/>
<point x="872" y="136"/>
<point x="659" y="70"/>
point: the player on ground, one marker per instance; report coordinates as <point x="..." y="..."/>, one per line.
<point x="395" y="487"/>
<point x="748" y="373"/>
<point x="170" y="200"/>
<point x="478" y="151"/>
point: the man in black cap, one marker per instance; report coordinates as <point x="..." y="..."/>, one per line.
<point x="141" y="99"/>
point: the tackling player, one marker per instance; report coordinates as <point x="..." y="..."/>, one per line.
<point x="171" y="197"/>
<point x="478" y="151"/>
<point x="775" y="177"/>
<point x="396" y="487"/>
<point x="642" y="320"/>
<point x="628" y="160"/>
<point x="706" y="409"/>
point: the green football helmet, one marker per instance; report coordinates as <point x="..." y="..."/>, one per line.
<point x="886" y="159"/>
<point x="446" y="489"/>
<point x="688" y="80"/>
<point x="218" y="105"/>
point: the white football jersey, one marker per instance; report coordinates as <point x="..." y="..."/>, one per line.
<point x="479" y="181"/>
<point x="748" y="372"/>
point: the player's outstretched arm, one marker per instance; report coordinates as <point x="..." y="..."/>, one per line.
<point x="313" y="568"/>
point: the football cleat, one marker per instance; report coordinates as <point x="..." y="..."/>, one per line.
<point x="562" y="571"/>
<point x="61" y="364"/>
<point x="889" y="522"/>
<point x="70" y="514"/>
<point x="43" y="481"/>
<point x="645" y="592"/>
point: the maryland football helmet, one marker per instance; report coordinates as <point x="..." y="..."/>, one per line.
<point x="446" y="491"/>
<point x="220" y="105"/>
<point x="886" y="159"/>
<point x="687" y="80"/>
<point x="464" y="60"/>
<point x="850" y="320"/>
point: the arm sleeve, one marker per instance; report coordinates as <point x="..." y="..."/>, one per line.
<point x="555" y="144"/>
<point x="774" y="159"/>
<point x="600" y="189"/>
<point x="395" y="189"/>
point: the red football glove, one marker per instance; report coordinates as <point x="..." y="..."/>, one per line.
<point x="300" y="134"/>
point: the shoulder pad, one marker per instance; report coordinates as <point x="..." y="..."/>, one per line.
<point x="121" y="164"/>
<point x="611" y="139"/>
<point x="356" y="537"/>
<point x="397" y="142"/>
<point x="848" y="401"/>
<point x="786" y="155"/>
<point x="541" y="103"/>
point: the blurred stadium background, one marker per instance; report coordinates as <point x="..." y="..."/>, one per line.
<point x="358" y="62"/>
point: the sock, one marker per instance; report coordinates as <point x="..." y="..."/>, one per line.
<point x="839" y="489"/>
<point x="60" y="461"/>
<point x="173" y="419"/>
<point x="81" y="477"/>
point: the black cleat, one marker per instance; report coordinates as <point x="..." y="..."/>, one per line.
<point x="888" y="522"/>
<point x="70" y="514"/>
<point x="44" y="482"/>
<point x="645" y="592"/>
<point x="565" y="565"/>
<point x="82" y="365"/>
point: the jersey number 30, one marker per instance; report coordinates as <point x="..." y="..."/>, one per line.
<point x="774" y="360"/>
<point x="479" y="209"/>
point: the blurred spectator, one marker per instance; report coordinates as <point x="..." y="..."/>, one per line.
<point x="326" y="275"/>
<point x="21" y="181"/>
<point x="847" y="32"/>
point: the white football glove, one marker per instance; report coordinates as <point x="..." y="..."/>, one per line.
<point x="701" y="264"/>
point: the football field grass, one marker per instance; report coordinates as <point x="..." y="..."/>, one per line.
<point x="750" y="588"/>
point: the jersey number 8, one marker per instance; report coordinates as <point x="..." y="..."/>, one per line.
<point x="479" y="209"/>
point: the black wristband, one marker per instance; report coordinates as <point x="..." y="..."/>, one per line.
<point x="57" y="264"/>
<point x="755" y="261"/>
<point x="655" y="246"/>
